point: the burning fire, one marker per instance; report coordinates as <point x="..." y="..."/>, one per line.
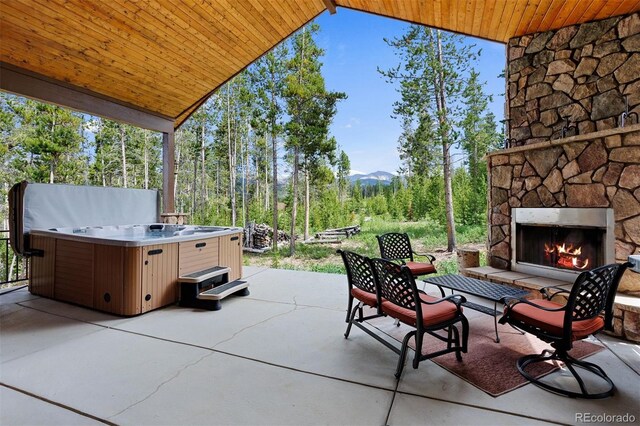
<point x="566" y="256"/>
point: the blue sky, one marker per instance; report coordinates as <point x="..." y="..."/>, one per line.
<point x="354" y="48"/>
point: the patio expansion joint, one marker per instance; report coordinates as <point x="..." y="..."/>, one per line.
<point x="57" y="404"/>
<point x="615" y="354"/>
<point x="393" y="400"/>
<point x="480" y="407"/>
<point x="255" y="273"/>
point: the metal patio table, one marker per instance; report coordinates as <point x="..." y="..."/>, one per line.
<point x="484" y="289"/>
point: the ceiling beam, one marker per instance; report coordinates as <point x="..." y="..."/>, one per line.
<point x="32" y="85"/>
<point x="331" y="6"/>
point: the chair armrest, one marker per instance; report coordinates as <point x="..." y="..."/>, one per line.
<point x="510" y="302"/>
<point x="427" y="255"/>
<point x="456" y="299"/>
<point x="549" y="294"/>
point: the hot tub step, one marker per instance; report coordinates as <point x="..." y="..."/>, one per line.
<point x="222" y="291"/>
<point x="205" y="274"/>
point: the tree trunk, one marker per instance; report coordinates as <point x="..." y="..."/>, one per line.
<point x="232" y="175"/>
<point x="446" y="149"/>
<point x="274" y="157"/>
<point x="294" y="207"/>
<point x="217" y="187"/>
<point x="266" y="177"/>
<point x="177" y="169"/>
<point x="306" y="202"/>
<point x="123" y="151"/>
<point x="194" y="186"/>
<point x="244" y="156"/>
<point x="234" y="157"/>
<point x="104" y="178"/>
<point x="146" y="159"/>
<point x="247" y="172"/>
<point x="12" y="265"/>
<point x="52" y="165"/>
<point x="203" y="174"/>
<point x="296" y="158"/>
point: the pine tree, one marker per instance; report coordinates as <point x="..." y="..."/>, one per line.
<point x="431" y="76"/>
<point x="49" y="134"/>
<point x="344" y="166"/>
<point x="311" y="109"/>
<point x="480" y="135"/>
<point x="268" y="79"/>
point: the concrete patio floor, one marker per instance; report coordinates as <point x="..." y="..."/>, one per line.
<point x="276" y="357"/>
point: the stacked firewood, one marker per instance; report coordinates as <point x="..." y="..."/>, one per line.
<point x="262" y="236"/>
<point x="347" y="231"/>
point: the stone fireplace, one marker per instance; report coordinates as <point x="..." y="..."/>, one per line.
<point x="599" y="170"/>
<point x="573" y="96"/>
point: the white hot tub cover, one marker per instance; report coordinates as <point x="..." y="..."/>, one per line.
<point x="45" y="206"/>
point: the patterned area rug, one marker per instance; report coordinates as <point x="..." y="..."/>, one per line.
<point x="488" y="365"/>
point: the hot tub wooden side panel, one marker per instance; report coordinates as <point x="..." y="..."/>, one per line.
<point x="108" y="292"/>
<point x="132" y="282"/>
<point x="74" y="272"/>
<point x="159" y="276"/>
<point x="41" y="271"/>
<point x="197" y="255"/>
<point x="231" y="254"/>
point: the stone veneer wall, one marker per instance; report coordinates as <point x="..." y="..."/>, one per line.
<point x="599" y="172"/>
<point x="582" y="71"/>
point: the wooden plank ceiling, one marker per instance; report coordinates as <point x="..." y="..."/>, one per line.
<point x="167" y="56"/>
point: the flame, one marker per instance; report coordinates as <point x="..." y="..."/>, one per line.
<point x="567" y="256"/>
<point x="569" y="250"/>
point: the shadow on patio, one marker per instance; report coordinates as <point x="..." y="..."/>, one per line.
<point x="277" y="356"/>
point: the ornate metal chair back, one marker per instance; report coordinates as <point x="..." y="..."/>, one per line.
<point x="396" y="284"/>
<point x="592" y="293"/>
<point x="359" y="271"/>
<point x="395" y="246"/>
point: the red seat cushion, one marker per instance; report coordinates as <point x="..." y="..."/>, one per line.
<point x="551" y="322"/>
<point x="365" y="297"/>
<point x="419" y="268"/>
<point x="431" y="314"/>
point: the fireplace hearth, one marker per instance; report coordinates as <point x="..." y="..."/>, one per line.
<point x="561" y="243"/>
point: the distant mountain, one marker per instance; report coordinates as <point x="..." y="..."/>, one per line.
<point x="372" y="178"/>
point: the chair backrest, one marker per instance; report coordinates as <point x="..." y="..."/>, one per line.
<point x="593" y="292"/>
<point x="397" y="284"/>
<point x="359" y="271"/>
<point x="394" y="246"/>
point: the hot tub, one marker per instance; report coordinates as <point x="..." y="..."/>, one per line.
<point x="82" y="249"/>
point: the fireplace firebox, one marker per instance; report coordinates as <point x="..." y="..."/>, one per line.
<point x="561" y="243"/>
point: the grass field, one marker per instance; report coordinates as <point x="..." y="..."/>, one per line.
<point x="426" y="237"/>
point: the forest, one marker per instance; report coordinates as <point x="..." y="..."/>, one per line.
<point x="260" y="149"/>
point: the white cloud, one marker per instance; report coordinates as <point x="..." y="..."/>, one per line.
<point x="353" y="121"/>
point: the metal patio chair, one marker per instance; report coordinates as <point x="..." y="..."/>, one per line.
<point x="396" y="246"/>
<point x="362" y="287"/>
<point x="560" y="325"/>
<point x="401" y="299"/>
